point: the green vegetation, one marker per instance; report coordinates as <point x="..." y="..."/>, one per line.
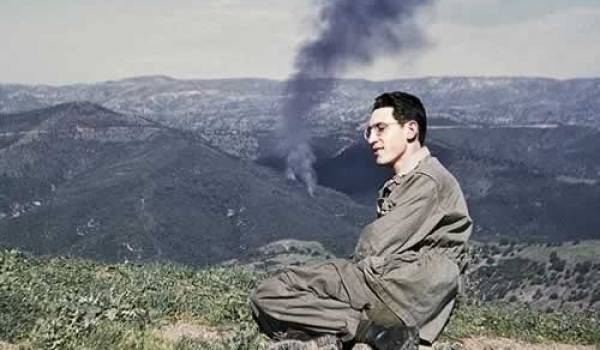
<point x="57" y="303"/>
<point x="552" y="276"/>
<point x="66" y="304"/>
<point x="574" y="251"/>
<point x="520" y="322"/>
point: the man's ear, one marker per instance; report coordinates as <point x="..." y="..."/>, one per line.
<point x="412" y="130"/>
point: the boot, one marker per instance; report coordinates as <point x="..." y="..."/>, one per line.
<point x="396" y="337"/>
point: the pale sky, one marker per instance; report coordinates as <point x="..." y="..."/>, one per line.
<point x="69" y="41"/>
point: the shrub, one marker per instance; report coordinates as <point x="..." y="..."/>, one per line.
<point x="595" y="295"/>
<point x="583" y="268"/>
<point x="556" y="263"/>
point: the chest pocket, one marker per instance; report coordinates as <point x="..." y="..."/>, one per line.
<point x="384" y="206"/>
<point x="384" y="203"/>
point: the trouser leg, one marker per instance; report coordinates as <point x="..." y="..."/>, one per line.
<point x="311" y="299"/>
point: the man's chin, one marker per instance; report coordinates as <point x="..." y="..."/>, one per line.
<point x="381" y="162"/>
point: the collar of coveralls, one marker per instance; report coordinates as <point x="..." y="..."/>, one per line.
<point x="411" y="162"/>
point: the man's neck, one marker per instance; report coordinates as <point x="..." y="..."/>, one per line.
<point x="408" y="160"/>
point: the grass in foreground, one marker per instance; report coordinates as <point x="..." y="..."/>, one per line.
<point x="70" y="304"/>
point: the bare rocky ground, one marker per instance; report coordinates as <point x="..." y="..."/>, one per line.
<point x="178" y="331"/>
<point x="484" y="343"/>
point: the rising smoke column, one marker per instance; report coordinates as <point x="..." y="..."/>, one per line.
<point x="353" y="33"/>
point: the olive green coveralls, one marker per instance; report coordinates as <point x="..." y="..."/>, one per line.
<point x="407" y="264"/>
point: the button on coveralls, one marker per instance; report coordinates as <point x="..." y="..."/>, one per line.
<point x="406" y="265"/>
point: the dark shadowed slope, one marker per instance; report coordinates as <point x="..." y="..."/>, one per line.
<point x="81" y="180"/>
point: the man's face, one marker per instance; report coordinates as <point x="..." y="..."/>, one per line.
<point x="388" y="139"/>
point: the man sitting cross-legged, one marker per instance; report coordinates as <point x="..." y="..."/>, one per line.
<point x="399" y="287"/>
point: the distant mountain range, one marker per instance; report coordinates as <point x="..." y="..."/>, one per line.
<point x="465" y="100"/>
<point x="239" y="115"/>
<point x="159" y="168"/>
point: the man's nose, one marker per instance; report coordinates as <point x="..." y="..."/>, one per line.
<point x="372" y="138"/>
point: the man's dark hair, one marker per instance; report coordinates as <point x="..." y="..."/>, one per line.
<point x="406" y="107"/>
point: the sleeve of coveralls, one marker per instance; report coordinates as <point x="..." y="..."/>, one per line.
<point x="415" y="214"/>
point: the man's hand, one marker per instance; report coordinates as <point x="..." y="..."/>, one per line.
<point x="397" y="337"/>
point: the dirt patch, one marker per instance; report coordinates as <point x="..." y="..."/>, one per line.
<point x="178" y="331"/>
<point x="7" y="346"/>
<point x="482" y="343"/>
<point x="105" y="272"/>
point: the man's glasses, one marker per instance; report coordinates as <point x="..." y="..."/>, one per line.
<point x="378" y="128"/>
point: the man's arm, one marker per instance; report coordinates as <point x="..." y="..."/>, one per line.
<point x="416" y="212"/>
<point x="409" y="253"/>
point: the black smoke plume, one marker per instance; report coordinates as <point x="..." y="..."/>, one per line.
<point x="353" y="33"/>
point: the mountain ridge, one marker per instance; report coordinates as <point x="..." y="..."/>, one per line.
<point x="117" y="190"/>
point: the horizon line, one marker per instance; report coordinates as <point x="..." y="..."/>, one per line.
<point x="425" y="77"/>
